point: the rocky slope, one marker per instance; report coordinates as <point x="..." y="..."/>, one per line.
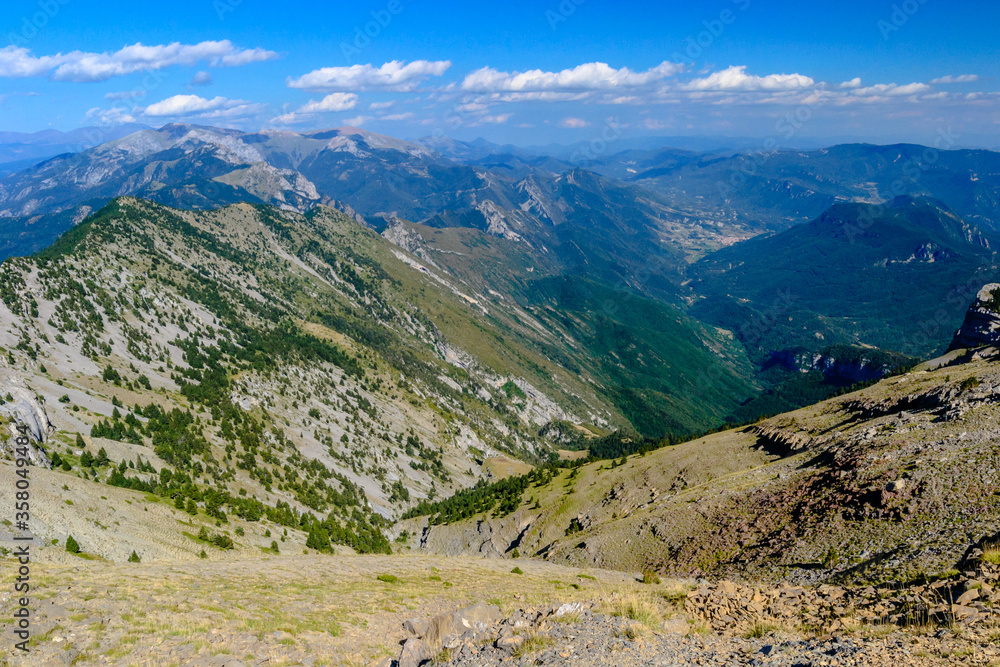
<point x="549" y="206"/>
<point x="982" y="321"/>
<point x="276" y="362"/>
<point x="250" y="361"/>
<point x="893" y="481"/>
<point x="405" y="611"/>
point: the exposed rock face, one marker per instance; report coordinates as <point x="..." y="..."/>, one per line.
<point x="779" y="441"/>
<point x="982" y="322"/>
<point x="25" y="410"/>
<point x="859" y="368"/>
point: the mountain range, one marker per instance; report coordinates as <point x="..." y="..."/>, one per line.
<point x="786" y="262"/>
<point x="234" y="354"/>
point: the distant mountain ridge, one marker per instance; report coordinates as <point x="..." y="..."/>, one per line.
<point x="897" y="277"/>
<point x="612" y="226"/>
<point x="20" y="150"/>
<point x="776" y="189"/>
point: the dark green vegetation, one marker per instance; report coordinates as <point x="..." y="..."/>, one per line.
<point x="548" y="296"/>
<point x="663" y="371"/>
<point x="898" y="278"/>
<point x="501" y="498"/>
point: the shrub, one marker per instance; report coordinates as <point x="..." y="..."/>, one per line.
<point x="970" y="383"/>
<point x="388" y="578"/>
<point x="134" y="558"/>
<point x="574" y="526"/>
<point x="650" y="577"/>
<point x="72" y="546"/>
<point x="517" y="570"/>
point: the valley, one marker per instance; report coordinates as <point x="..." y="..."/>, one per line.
<point x="511" y="370"/>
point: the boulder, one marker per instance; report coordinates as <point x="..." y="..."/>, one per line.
<point x="446" y="630"/>
<point x="981" y="326"/>
<point x="415" y="653"/>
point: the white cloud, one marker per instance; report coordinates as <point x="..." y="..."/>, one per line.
<point x="112" y="116"/>
<point x="892" y="90"/>
<point x="546" y="96"/>
<point x="397" y="116"/>
<point x="573" y="122"/>
<point x="126" y="95"/>
<point x="18" y="62"/>
<point x="586" y="77"/>
<point x="183" y="105"/>
<point x="472" y="107"/>
<point x="396" y="75"/>
<point x="736" y="79"/>
<point x="853" y="83"/>
<point x="332" y="102"/>
<point x="382" y="105"/>
<point x="961" y="78"/>
<point x="202" y="78"/>
<point x="287" y="119"/>
<point x="357" y="121"/>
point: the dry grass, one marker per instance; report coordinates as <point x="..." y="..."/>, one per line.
<point x="636" y="606"/>
<point x="991" y="554"/>
<point x="533" y="643"/>
<point x="284" y="608"/>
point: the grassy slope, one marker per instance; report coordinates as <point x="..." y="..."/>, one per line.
<point x="346" y="363"/>
<point x="724" y="505"/>
<point x="663" y="371"/>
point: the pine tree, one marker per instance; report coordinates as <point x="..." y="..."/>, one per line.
<point x="134" y="558"/>
<point x="72" y="546"/>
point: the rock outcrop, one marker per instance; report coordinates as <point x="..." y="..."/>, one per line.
<point x="19" y="406"/>
<point x="982" y="321"/>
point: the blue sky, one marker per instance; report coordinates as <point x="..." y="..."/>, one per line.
<point x="519" y="72"/>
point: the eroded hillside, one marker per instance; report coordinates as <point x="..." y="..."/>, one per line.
<point x="897" y="480"/>
<point x="248" y="362"/>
